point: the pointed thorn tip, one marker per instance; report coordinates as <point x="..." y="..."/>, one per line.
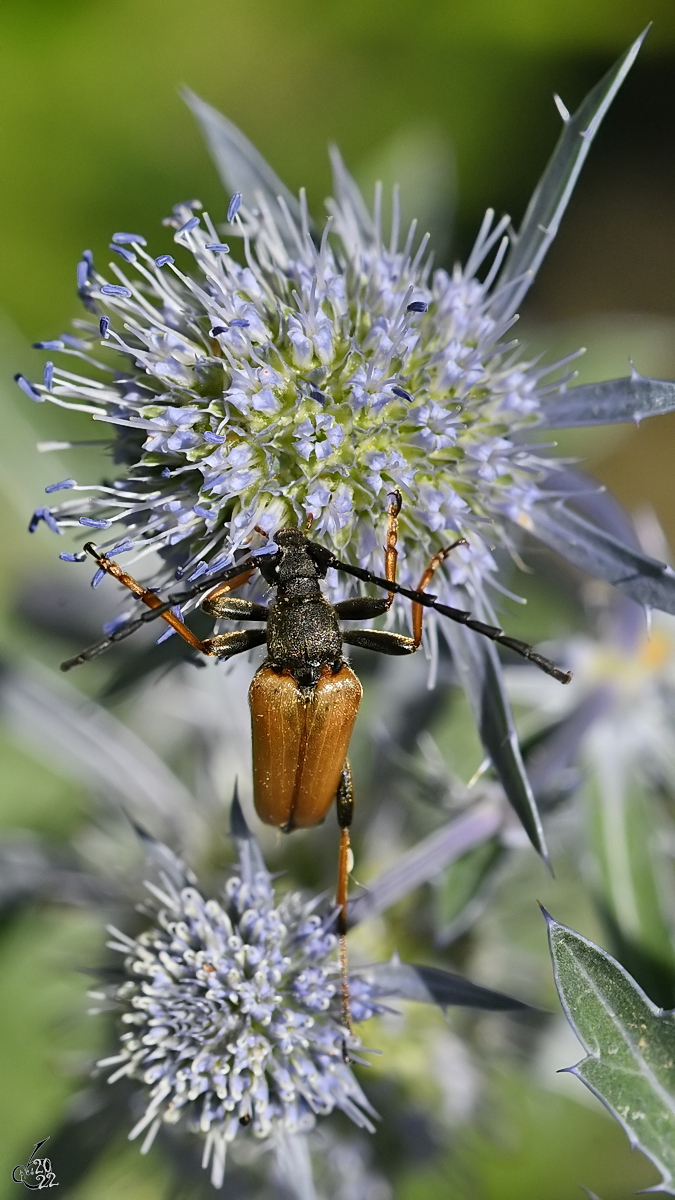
<point x="238" y="827"/>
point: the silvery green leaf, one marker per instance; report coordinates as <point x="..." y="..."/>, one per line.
<point x="629" y="1043"/>
<point x="552" y="194"/>
<point x="432" y="985"/>
<point x="480" y="672"/>
<point x="590" y="548"/>
<point x="426" y="859"/>
<point x="608" y="403"/>
<point x="241" y="167"/>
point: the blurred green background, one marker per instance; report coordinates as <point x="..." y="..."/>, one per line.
<point x="453" y="97"/>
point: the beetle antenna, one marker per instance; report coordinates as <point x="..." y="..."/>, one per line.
<point x="455" y="614"/>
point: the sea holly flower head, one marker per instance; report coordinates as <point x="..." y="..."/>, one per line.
<point x="313" y="379"/>
<point x="308" y="376"/>
<point x="231" y="1010"/>
<point x="231" y="1015"/>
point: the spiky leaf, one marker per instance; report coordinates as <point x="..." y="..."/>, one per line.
<point x="241" y="167"/>
<point x="480" y="671"/>
<point x="592" y="549"/>
<point x="612" y="402"/>
<point x="433" y="985"/>
<point x="552" y="194"/>
<point x="629" y="1042"/>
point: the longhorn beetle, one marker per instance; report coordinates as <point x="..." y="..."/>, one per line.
<point x="304" y="698"/>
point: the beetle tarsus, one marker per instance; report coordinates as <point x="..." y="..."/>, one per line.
<point x="345" y="811"/>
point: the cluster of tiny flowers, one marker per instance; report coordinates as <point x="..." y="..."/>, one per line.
<point x="231" y="1016"/>
<point x="311" y="379"/>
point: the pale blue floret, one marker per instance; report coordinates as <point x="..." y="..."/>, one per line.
<point x="62" y="486"/>
<point x="127" y="255"/>
<point x="113" y="289"/>
<point x="234" y="206"/>
<point x="125" y="239"/>
<point x="46" y="515"/>
<point x="28" y="388"/>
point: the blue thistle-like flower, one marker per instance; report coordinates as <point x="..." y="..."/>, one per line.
<point x="312" y="378"/>
<point x="231" y="1015"/>
<point x="232" y="1010"/>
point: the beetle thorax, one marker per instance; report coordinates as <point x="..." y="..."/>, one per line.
<point x="303" y="632"/>
<point x="296" y="574"/>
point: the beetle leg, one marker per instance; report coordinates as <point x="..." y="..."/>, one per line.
<point x="219" y="592"/>
<point x="365" y="608"/>
<point x="417" y="610"/>
<point x="380" y="640"/>
<point x="224" y="645"/>
<point x="426" y="600"/>
<point x="390" y="551"/>
<point x="361" y="608"/>
<point x="390" y="557"/>
<point x="151" y="599"/>
<point x="231" y="608"/>
<point x="345" y="813"/>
